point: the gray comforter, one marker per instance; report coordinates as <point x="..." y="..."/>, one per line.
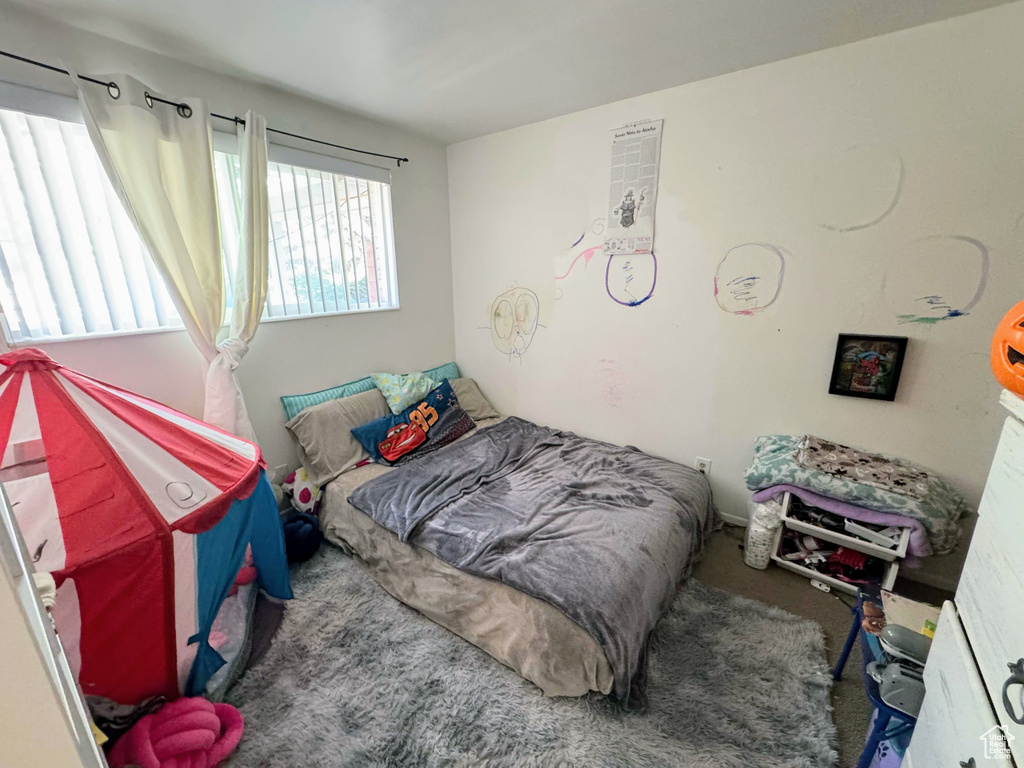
<point x="605" y="534"/>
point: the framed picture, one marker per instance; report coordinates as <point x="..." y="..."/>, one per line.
<point x="867" y="366"/>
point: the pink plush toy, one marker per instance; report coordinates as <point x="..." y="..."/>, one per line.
<point x="187" y="733"/>
<point x="246" y="575"/>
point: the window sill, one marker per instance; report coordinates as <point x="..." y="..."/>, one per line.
<point x="181" y="328"/>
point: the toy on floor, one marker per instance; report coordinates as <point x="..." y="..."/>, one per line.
<point x="302" y="536"/>
<point x="246" y="574"/>
<point x="304" y="494"/>
<point x="187" y="733"/>
<point x="115" y="719"/>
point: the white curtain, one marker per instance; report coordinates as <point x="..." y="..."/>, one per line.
<point x="225" y="406"/>
<point x="161" y="166"/>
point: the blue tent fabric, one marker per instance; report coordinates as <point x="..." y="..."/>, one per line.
<point x="220" y="552"/>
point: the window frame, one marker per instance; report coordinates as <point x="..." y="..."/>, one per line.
<point x="59" y="106"/>
<point x="227" y="142"/>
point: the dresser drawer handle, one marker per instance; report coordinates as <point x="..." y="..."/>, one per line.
<point x="1016" y="678"/>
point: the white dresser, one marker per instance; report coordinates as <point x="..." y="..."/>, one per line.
<point x="973" y="698"/>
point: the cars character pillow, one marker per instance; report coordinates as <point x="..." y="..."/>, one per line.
<point x="401" y="439"/>
<point x="392" y="438"/>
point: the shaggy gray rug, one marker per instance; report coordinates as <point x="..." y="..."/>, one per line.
<point x="355" y="678"/>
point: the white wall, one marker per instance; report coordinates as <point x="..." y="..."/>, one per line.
<point x="34" y="729"/>
<point x="286" y="357"/>
<point x="739" y="161"/>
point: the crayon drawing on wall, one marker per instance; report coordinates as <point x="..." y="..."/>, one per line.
<point x="612" y="381"/>
<point x="629" y="279"/>
<point x="936" y="278"/>
<point x="514" y="316"/>
<point x="749" y="278"/>
<point x="858" y="188"/>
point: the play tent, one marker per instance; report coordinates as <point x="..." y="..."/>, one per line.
<point x="143" y="515"/>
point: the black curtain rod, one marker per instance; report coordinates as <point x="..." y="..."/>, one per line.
<point x="185" y="111"/>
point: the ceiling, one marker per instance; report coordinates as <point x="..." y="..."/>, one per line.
<point x="456" y="69"/>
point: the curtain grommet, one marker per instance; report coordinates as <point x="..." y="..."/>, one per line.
<point x="149" y="100"/>
<point x="114" y="90"/>
<point x="185" y="111"/>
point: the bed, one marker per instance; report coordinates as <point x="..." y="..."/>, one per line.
<point x="560" y="577"/>
<point x="522" y="632"/>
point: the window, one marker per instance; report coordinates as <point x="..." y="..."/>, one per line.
<point x="72" y="264"/>
<point x="331" y="246"/>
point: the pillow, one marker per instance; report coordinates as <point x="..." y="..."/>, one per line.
<point x="402" y="390"/>
<point x="292" y="404"/>
<point x="447" y="371"/>
<point x="407" y="441"/>
<point x="305" y="494"/>
<point x="323" y="438"/>
<point x="450" y="426"/>
<point x="472" y="400"/>
<point x="427" y="413"/>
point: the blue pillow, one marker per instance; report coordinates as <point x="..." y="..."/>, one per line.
<point x="448" y="371"/>
<point x="372" y="434"/>
<point x="292" y="404"/>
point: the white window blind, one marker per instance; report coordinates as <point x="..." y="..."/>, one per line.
<point x="71" y="263"/>
<point x="331" y="243"/>
<point x="70" y="260"/>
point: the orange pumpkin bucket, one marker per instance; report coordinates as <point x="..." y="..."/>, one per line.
<point x="1008" y="350"/>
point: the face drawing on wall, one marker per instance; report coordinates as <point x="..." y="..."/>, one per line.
<point x="630" y="278"/>
<point x="749" y="278"/>
<point x="936" y="278"/>
<point x="514" y="316"/>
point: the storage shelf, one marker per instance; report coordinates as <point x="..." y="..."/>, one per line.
<point x="845" y="540"/>
<point x="890" y="556"/>
<point x="891" y="570"/>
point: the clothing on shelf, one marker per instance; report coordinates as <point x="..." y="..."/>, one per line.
<point x="841" y="563"/>
<point x="918" y="546"/>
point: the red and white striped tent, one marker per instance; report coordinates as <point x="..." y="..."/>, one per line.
<point x="142" y="514"/>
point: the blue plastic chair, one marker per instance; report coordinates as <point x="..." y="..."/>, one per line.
<point x="889" y="723"/>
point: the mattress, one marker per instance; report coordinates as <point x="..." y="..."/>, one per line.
<point x="523" y="632"/>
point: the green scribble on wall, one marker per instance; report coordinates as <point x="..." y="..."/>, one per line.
<point x="919" y="319"/>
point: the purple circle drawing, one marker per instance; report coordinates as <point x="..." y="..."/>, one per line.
<point x="627" y="284"/>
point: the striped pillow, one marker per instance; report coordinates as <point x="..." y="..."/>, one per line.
<point x="292" y="404"/>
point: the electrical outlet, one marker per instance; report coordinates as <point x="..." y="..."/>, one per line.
<point x="703" y="466"/>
